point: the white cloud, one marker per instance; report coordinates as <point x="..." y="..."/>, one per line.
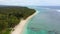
<point x="19" y="2"/>
<point x="2" y="0"/>
<point x="30" y="2"/>
<point x="50" y="2"/>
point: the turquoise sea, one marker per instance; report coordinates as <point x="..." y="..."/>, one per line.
<point x="47" y="21"/>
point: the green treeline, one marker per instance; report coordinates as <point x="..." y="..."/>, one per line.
<point x="11" y="16"/>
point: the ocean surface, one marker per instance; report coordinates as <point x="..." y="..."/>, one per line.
<point x="47" y="21"/>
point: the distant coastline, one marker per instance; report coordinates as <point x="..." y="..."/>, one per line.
<point x="10" y="16"/>
<point x="20" y="27"/>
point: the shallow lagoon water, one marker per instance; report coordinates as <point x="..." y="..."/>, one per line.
<point x="47" y="21"/>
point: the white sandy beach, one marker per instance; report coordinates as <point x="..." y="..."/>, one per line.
<point x="19" y="28"/>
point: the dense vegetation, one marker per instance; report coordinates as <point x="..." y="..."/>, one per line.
<point x="11" y="16"/>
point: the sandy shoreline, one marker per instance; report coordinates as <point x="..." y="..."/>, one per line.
<point x="19" y="28"/>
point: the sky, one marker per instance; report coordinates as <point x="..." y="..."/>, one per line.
<point x="31" y="2"/>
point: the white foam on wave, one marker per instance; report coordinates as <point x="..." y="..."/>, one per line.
<point x="58" y="10"/>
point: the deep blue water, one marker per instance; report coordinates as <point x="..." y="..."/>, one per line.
<point x="52" y="7"/>
<point x="47" y="21"/>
